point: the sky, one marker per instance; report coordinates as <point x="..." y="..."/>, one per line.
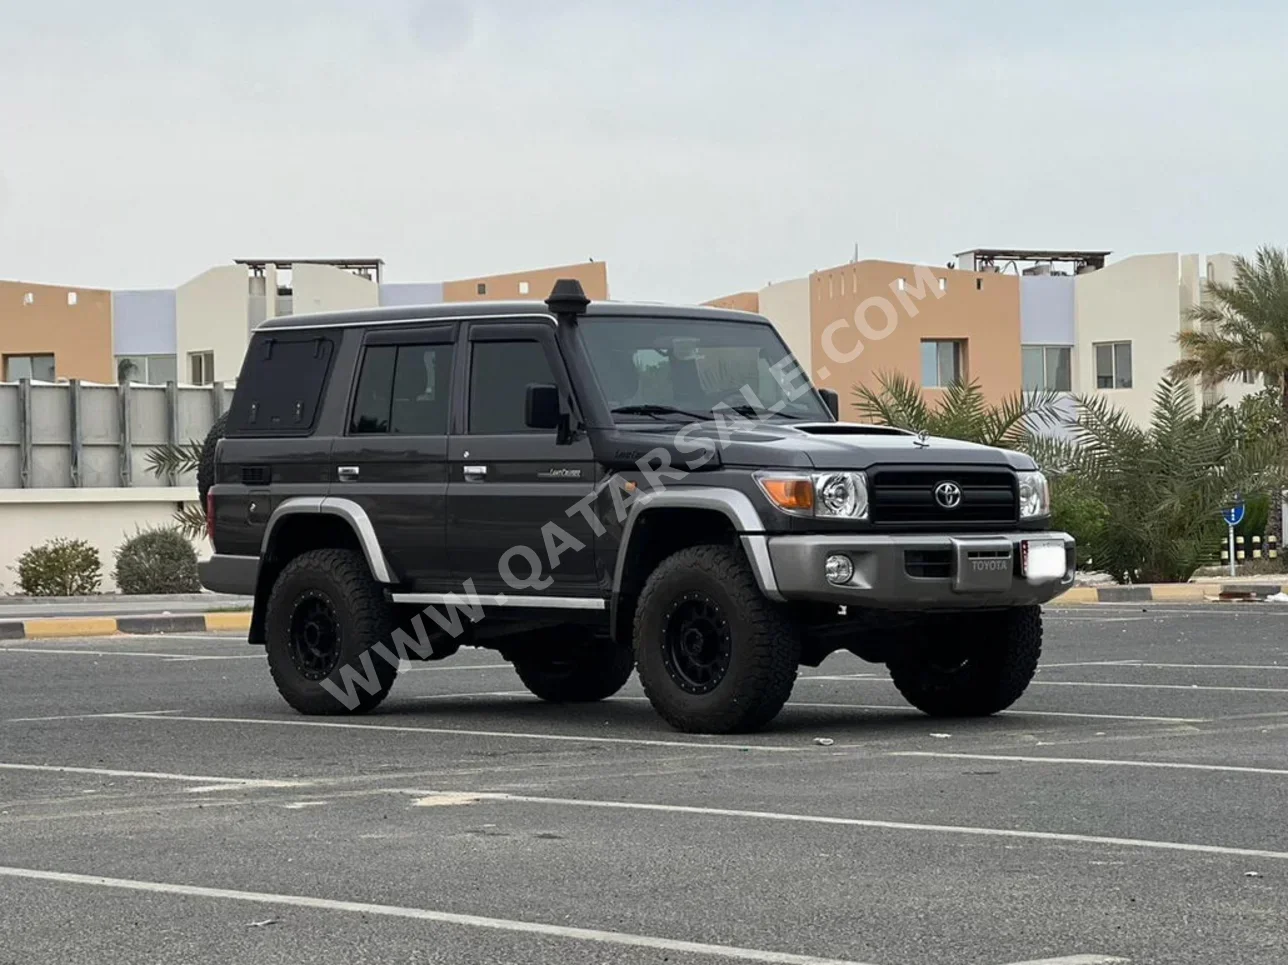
<point x="698" y="147"/>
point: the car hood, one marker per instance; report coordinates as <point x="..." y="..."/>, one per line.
<point x="823" y="445"/>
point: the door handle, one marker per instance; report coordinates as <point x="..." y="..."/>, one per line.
<point x="475" y="473"/>
<point x="347" y="472"/>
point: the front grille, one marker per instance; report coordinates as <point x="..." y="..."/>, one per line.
<point x="906" y="495"/>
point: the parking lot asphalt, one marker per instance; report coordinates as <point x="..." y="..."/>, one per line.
<point x="160" y="803"/>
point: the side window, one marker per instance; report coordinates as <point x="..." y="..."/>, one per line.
<point x="403" y="389"/>
<point x="281" y="385"/>
<point x="421" y="379"/>
<point x="500" y="373"/>
<point x="374" y="398"/>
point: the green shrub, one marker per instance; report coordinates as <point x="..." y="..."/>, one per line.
<point x="1078" y="512"/>
<point x="157" y="561"/>
<point x="61" y="567"/>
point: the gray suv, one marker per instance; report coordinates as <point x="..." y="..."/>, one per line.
<point x="592" y="489"/>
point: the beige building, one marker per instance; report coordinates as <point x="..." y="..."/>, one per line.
<point x="525" y="285"/>
<point x="48" y="332"/>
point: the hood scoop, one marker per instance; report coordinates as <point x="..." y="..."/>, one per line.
<point x="850" y="429"/>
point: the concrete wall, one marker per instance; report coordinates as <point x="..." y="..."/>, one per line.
<point x="105" y="518"/>
<point x="1046" y="310"/>
<point x="143" y="322"/>
<point x="1137" y="299"/>
<point x="72" y="324"/>
<point x="211" y="316"/>
<point x="74" y="435"/>
<point x="738" y="302"/>
<point x="786" y="304"/>
<point x="413" y="293"/>
<point x="593" y="276"/>
<point x="324" y="288"/>
<point x="983" y="310"/>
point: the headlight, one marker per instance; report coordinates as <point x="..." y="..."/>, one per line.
<point x="832" y="495"/>
<point x="1035" y="496"/>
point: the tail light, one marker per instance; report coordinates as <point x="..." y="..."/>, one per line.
<point x="210" y="517"/>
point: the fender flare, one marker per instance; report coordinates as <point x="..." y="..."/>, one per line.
<point x="734" y="505"/>
<point x="346" y="509"/>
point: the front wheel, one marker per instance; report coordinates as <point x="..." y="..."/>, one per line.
<point x="984" y="670"/>
<point x="714" y="655"/>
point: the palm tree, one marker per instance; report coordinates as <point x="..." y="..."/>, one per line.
<point x="1243" y="327"/>
<point x="1159" y="487"/>
<point x="961" y="412"/>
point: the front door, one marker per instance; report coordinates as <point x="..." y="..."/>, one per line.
<point x="392" y="460"/>
<point x="507" y="481"/>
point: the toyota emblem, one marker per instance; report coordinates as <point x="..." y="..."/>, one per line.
<point x="948" y="495"/>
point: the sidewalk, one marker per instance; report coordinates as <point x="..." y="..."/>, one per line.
<point x="1203" y="589"/>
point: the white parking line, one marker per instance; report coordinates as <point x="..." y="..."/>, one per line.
<point x="442" y="917"/>
<point x="1097" y="683"/>
<point x="456" y="732"/>
<point x="895" y="825"/>
<point x="154" y="775"/>
<point x="908" y="709"/>
<point x="1088" y="683"/>
<point x="130" y="713"/>
<point x="435" y="668"/>
<point x="1075" y="960"/>
<point x="1106" y="762"/>
<point x="132" y="653"/>
<point x="1168" y="666"/>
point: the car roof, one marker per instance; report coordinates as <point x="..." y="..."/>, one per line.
<point x="498" y="309"/>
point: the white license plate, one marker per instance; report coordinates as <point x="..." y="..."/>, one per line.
<point x="1045" y="560"/>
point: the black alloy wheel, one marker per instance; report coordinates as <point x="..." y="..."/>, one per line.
<point x="315" y="644"/>
<point x="697" y="644"/>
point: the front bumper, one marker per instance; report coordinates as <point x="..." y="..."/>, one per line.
<point x="910" y="571"/>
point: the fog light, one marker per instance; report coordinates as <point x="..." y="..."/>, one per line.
<point x="839" y="570"/>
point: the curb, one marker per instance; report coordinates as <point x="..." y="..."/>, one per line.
<point x="1171" y="593"/>
<point x="46" y="627"/>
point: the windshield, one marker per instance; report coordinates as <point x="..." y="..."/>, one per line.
<point x="685" y="367"/>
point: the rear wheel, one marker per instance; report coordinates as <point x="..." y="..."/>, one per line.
<point x="986" y="669"/>
<point x="575" y="666"/>
<point x="324" y="614"/>
<point x="714" y="655"/>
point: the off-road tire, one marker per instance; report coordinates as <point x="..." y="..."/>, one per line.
<point x="764" y="649"/>
<point x="1000" y="658"/>
<point x="362" y="617"/>
<point x="577" y="668"/>
<point x="206" y="464"/>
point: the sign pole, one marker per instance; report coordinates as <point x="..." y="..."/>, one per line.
<point x="1231" y="527"/>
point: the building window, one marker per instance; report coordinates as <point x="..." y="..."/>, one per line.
<point x="37" y="368"/>
<point x="1248" y="377"/>
<point x="71" y="298"/>
<point x="482" y="288"/>
<point x="523" y="288"/>
<point x="147" y="369"/>
<point x="941" y="363"/>
<point x="201" y="368"/>
<point x="29" y="298"/>
<point x="1048" y="367"/>
<point x="1113" y="365"/>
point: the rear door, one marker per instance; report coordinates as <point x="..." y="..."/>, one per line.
<point x="270" y="451"/>
<point x="392" y="459"/>
<point x="507" y="480"/>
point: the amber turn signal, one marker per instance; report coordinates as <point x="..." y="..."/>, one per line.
<point x="793" y="494"/>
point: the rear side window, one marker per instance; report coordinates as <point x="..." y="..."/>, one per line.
<point x="403" y="390"/>
<point x="281" y="385"/>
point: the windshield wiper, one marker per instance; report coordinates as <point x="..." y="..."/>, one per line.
<point x="659" y="411"/>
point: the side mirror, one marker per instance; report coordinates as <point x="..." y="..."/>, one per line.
<point x="833" y="402"/>
<point x="541" y="407"/>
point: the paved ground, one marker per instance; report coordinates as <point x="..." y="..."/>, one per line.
<point x="159" y="803"/>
